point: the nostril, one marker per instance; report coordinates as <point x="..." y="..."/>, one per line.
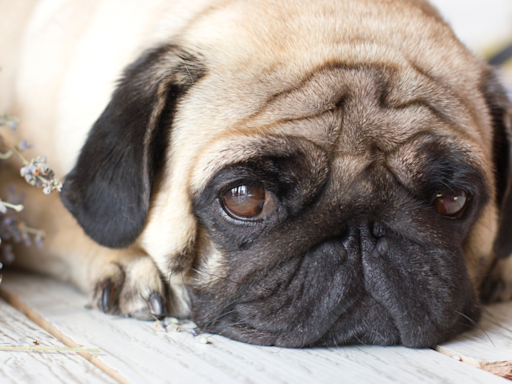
<point x="382" y="247"/>
<point x="379" y="230"/>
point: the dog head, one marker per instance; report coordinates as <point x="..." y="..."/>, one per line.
<point x="316" y="173"/>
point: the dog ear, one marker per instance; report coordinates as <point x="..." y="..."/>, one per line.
<point x="501" y="115"/>
<point x="108" y="191"/>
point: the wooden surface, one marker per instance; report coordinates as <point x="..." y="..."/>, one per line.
<point x="48" y="367"/>
<point x="490" y="346"/>
<point x="133" y="352"/>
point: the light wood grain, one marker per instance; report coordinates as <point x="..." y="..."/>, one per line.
<point x="489" y="346"/>
<point x="39" y="367"/>
<point x="140" y="355"/>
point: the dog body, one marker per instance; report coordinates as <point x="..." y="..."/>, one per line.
<point x="298" y="173"/>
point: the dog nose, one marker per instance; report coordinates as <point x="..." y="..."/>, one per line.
<point x="361" y="237"/>
<point x="378" y="230"/>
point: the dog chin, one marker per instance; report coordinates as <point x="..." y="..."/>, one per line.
<point x="366" y="323"/>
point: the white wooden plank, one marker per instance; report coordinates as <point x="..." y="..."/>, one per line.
<point x="489" y="346"/>
<point x="28" y="367"/>
<point x="140" y="355"/>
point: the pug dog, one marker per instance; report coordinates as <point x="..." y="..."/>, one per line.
<point x="285" y="172"/>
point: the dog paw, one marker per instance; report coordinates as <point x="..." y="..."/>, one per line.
<point x="132" y="287"/>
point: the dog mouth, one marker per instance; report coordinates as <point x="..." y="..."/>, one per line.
<point x="395" y="294"/>
<point x="366" y="322"/>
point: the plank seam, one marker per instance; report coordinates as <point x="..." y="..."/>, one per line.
<point x="42" y="322"/>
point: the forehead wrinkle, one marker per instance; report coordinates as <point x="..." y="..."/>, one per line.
<point x="412" y="86"/>
<point x="468" y="113"/>
<point x="322" y="130"/>
<point x="322" y="89"/>
<point x="387" y="129"/>
<point x="404" y="161"/>
<point x="231" y="149"/>
<point x="325" y="90"/>
<point x="317" y="92"/>
<point x="385" y="100"/>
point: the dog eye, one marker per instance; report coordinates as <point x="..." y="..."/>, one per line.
<point x="247" y="202"/>
<point x="450" y="203"/>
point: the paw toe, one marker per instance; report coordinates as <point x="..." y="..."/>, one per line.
<point x="133" y="288"/>
<point x="104" y="302"/>
<point x="156" y="304"/>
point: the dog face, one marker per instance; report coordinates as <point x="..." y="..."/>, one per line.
<point x="321" y="174"/>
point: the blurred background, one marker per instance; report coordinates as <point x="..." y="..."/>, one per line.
<point x="485" y="26"/>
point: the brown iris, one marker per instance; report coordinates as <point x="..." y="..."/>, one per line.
<point x="245" y="201"/>
<point x="450" y="203"/>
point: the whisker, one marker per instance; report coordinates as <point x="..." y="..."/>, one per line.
<point x="475" y="323"/>
<point x="380" y="336"/>
<point x="217" y="318"/>
<point x="223" y="308"/>
<point x="230" y="325"/>
<point x="225" y="314"/>
<point x="492" y="319"/>
<point x="358" y="339"/>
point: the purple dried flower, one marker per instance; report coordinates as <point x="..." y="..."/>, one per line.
<point x="39" y="241"/>
<point x="26" y="239"/>
<point x="38" y="173"/>
<point x="29" y="170"/>
<point x="16" y="235"/>
<point x="24" y="145"/>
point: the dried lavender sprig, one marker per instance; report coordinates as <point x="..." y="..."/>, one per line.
<point x="4" y="205"/>
<point x="39" y="174"/>
<point x="13" y="150"/>
<point x="6" y="155"/>
<point x="36" y="172"/>
<point x="11" y="121"/>
<point x="12" y="228"/>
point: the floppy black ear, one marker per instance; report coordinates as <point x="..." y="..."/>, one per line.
<point x="501" y="113"/>
<point x="108" y="190"/>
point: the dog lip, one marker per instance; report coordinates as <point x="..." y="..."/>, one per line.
<point x="300" y="335"/>
<point x="381" y="328"/>
<point x="232" y="325"/>
<point x="319" y="334"/>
